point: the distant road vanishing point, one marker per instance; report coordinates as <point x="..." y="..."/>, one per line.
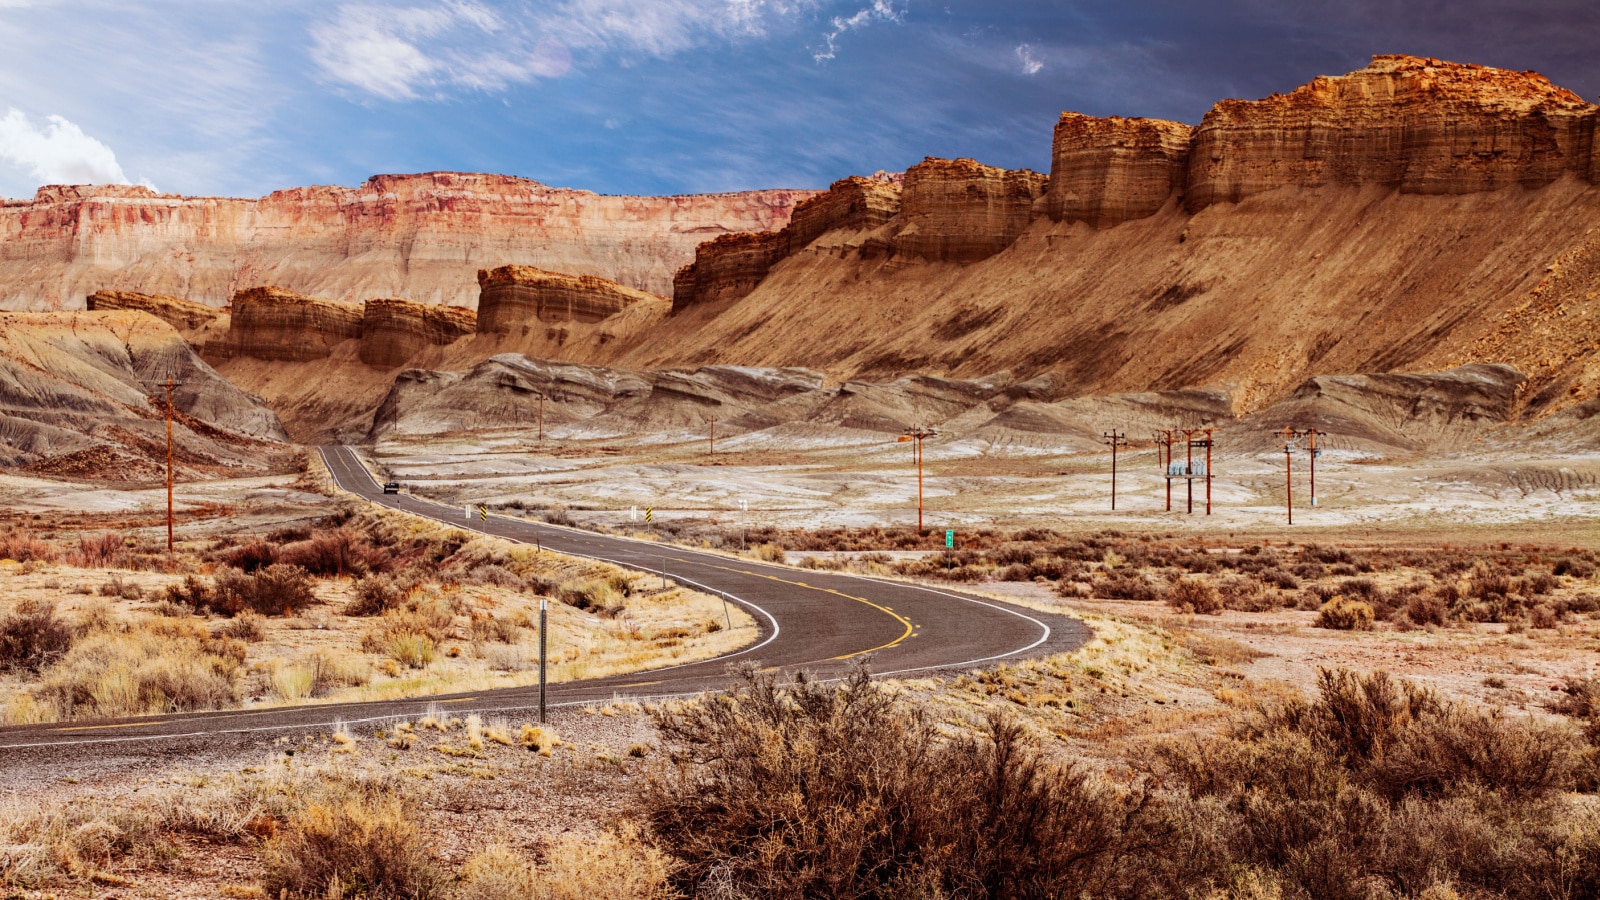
<point x="819" y="622"/>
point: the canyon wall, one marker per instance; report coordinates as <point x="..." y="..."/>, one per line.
<point x="394" y="331"/>
<point x="272" y="323"/>
<point x="418" y="236"/>
<point x="184" y="315"/>
<point x="1412" y="214"/>
<point x="517" y="299"/>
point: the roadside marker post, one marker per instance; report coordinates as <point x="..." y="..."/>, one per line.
<point x="544" y="618"/>
<point x="1115" y="439"/>
<point x="725" y="615"/>
<point x="744" y="518"/>
<point x="483" y="512"/>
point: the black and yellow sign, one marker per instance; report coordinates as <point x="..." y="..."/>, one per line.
<point x="649" y="513"/>
<point x="483" y="512"/>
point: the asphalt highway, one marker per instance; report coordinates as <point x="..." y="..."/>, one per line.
<point x="820" y="622"/>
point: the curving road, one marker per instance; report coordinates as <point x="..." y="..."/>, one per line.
<point x="807" y="620"/>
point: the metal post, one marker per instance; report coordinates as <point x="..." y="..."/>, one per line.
<point x="1208" y="471"/>
<point x="713" y="437"/>
<point x="1115" y="439"/>
<point x="541" y="420"/>
<point x="170" y="385"/>
<point x="663" y="573"/>
<point x="725" y="616"/>
<point x="1312" y="434"/>
<point x="919" y="485"/>
<point x="1288" y="477"/>
<point x="544" y="620"/>
<point x="1188" y="467"/>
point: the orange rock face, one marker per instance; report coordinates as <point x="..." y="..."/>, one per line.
<point x="515" y="298"/>
<point x="184" y="315"/>
<point x="418" y="236"/>
<point x="272" y="323"/>
<point x="394" y="331"/>
<point x="1419" y="125"/>
<point x="1112" y="170"/>
<point x="963" y="211"/>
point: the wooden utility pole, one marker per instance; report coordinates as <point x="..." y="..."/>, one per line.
<point x="1164" y="439"/>
<point x="170" y="385"/>
<point x="713" y="437"/>
<point x="918" y="434"/>
<point x="1115" y="439"/>
<point x="541" y="420"/>
<point x="1312" y="434"/>
<point x="1289" y="446"/>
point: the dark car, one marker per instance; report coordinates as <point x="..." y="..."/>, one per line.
<point x="391" y="487"/>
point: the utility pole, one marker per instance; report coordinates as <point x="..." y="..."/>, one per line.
<point x="170" y="384"/>
<point x="713" y="436"/>
<point x="544" y="619"/>
<point x="1164" y="439"/>
<point x="918" y="434"/>
<point x="1289" y="446"/>
<point x="1115" y="439"/>
<point x="541" y="421"/>
<point x="1312" y="434"/>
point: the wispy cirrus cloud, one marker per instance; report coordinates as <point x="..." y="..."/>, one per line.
<point x="879" y="11"/>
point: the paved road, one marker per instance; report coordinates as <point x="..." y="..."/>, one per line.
<point x="816" y="621"/>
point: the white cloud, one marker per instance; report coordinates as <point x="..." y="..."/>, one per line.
<point x="879" y="11"/>
<point x="58" y="153"/>
<point x="1030" y="64"/>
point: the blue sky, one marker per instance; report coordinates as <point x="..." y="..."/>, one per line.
<point x="670" y="96"/>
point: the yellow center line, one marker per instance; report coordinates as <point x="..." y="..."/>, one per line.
<point x="123" y="725"/>
<point x="878" y="606"/>
<point x="459" y="700"/>
<point x="640" y="683"/>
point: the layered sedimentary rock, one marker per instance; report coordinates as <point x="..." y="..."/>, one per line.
<point x="79" y="398"/>
<point x="960" y="210"/>
<point x="394" y="331"/>
<point x="514" y="299"/>
<point x="1418" y="125"/>
<point x="418" y="236"/>
<point x="272" y="323"/>
<point x="1106" y="171"/>
<point x="731" y="265"/>
<point x="184" y="315"/>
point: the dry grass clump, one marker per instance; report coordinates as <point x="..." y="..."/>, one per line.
<point x="317" y="675"/>
<point x="159" y="665"/>
<point x="1345" y="614"/>
<point x="356" y="839"/>
<point x="769" y="553"/>
<point x="32" y="637"/>
<point x="616" y="863"/>
<point x="816" y="790"/>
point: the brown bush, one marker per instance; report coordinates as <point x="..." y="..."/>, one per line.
<point x="108" y="551"/>
<point x="337" y="553"/>
<point x="821" y="791"/>
<point x="33" y="637"/>
<point x="23" y="547"/>
<point x="1126" y="586"/>
<point x="353" y="843"/>
<point x="159" y="666"/>
<point x="1345" y="615"/>
<point x="1194" y="595"/>
<point x="1426" y="609"/>
<point x="375" y="595"/>
<point x="251" y="556"/>
<point x="276" y="590"/>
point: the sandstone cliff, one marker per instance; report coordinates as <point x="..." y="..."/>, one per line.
<point x="394" y="331"/>
<point x="517" y="299"/>
<point x="1413" y="214"/>
<point x="272" y="323"/>
<point x="417" y="236"/>
<point x="184" y="315"/>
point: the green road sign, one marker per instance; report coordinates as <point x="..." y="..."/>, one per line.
<point x="949" y="539"/>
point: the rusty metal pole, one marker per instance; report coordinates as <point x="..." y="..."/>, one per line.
<point x="919" y="484"/>
<point x="541" y="420"/>
<point x="1188" y="467"/>
<point x="1208" y="471"/>
<point x="1312" y="434"/>
<point x="1288" y="478"/>
<point x="170" y="385"/>
<point x="713" y="437"/>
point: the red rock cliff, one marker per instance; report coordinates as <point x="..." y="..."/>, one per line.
<point x="184" y="315"/>
<point x="960" y="210"/>
<point x="1423" y="126"/>
<point x="1112" y="170"/>
<point x="272" y="323"/>
<point x="394" y="331"/>
<point x="514" y="298"/>
<point x="419" y="236"/>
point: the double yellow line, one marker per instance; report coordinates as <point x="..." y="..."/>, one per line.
<point x="878" y="606"/>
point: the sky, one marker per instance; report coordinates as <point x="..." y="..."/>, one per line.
<point x="234" y="98"/>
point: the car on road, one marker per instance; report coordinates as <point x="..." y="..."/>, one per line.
<point x="391" y="487"/>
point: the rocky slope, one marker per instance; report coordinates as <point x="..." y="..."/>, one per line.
<point x="1413" y="215"/>
<point x="79" y="398"/>
<point x="418" y="236"/>
<point x="184" y="315"/>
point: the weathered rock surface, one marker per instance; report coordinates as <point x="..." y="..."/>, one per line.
<point x="418" y="236"/>
<point x="79" y="398"/>
<point x="1106" y="171"/>
<point x="960" y="210"/>
<point x="273" y="323"/>
<point x="184" y="315"/>
<point x="517" y="299"/>
<point x="1421" y="126"/>
<point x="394" y="331"/>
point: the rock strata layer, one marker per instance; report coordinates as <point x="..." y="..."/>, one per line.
<point x="514" y="299"/>
<point x="184" y="315"/>
<point x="961" y="210"/>
<point x="394" y="331"/>
<point x="1106" y="171"/>
<point x="272" y="323"/>
<point x="418" y="236"/>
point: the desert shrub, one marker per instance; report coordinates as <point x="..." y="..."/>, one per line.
<point x="23" y="547"/>
<point x="821" y="791"/>
<point x="1426" y="609"/>
<point x="492" y="628"/>
<point x="1536" y="585"/>
<point x="158" y="666"/>
<point x="412" y="650"/>
<point x="1582" y="603"/>
<point x="769" y="553"/>
<point x="587" y="594"/>
<point x="33" y="637"/>
<point x="1126" y="586"/>
<point x="337" y="553"/>
<point x="617" y="863"/>
<point x="493" y="574"/>
<point x="1543" y="615"/>
<point x="375" y="595"/>
<point x="360" y="843"/>
<point x="317" y="675"/>
<point x="108" y="551"/>
<point x="1574" y="567"/>
<point x="1345" y="614"/>
<point x="277" y="589"/>
<point x="121" y="589"/>
<point x="410" y="635"/>
<point x="248" y="626"/>
<point x="1246" y="594"/>
<point x="191" y="594"/>
<point x="251" y="556"/>
<point x="1194" y="595"/>
<point x="1276" y="577"/>
<point x="1309" y="570"/>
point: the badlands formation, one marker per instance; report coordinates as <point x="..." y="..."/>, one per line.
<point x="1404" y="255"/>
